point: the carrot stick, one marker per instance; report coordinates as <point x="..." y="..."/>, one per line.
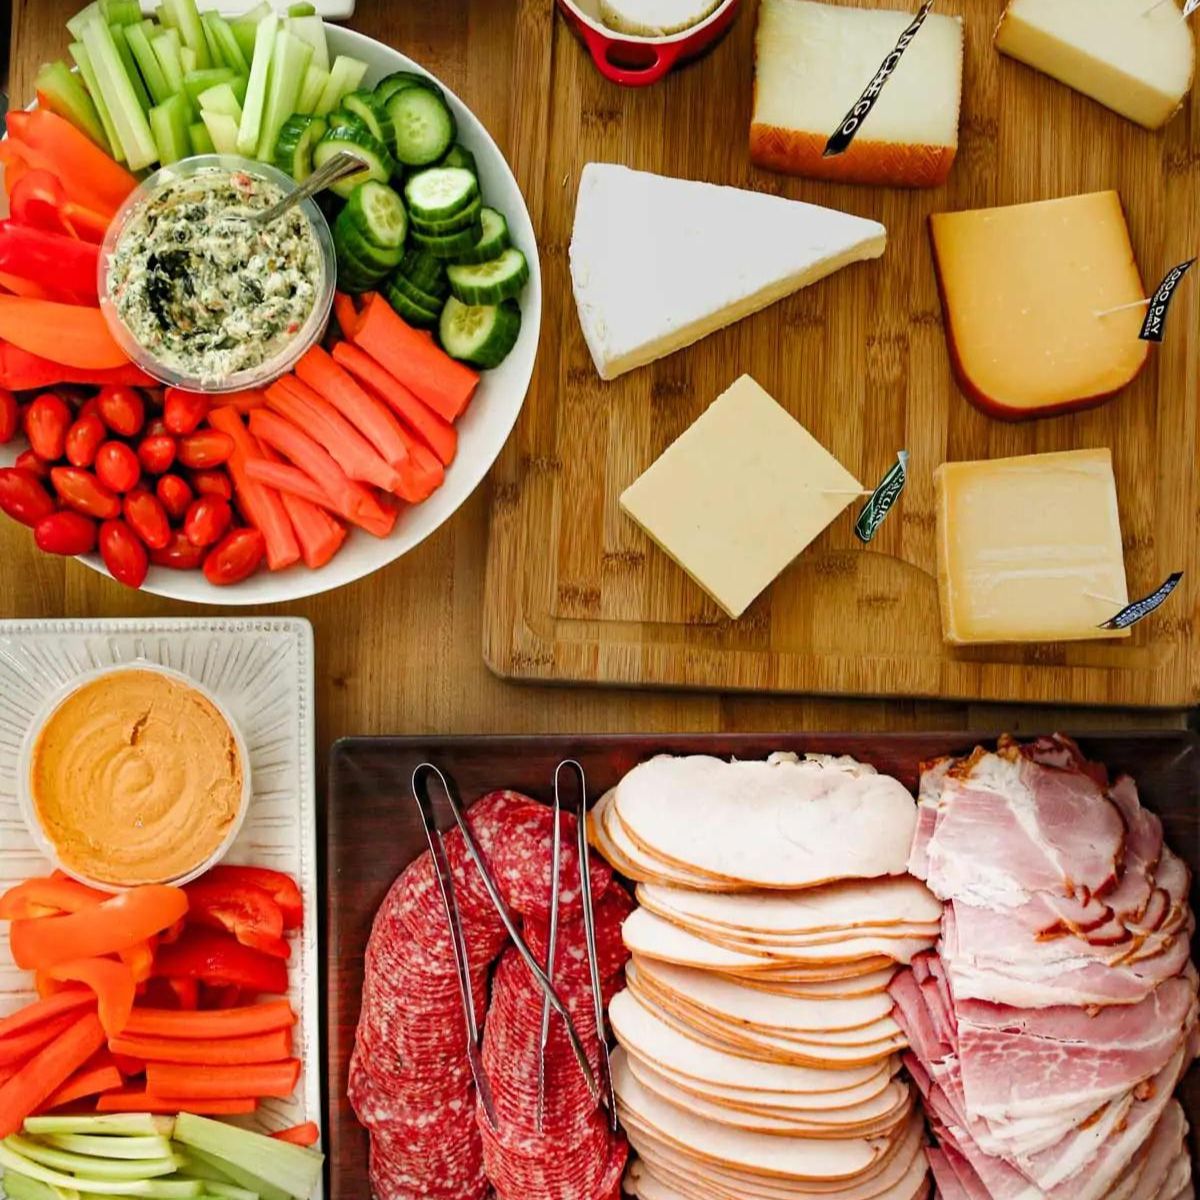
<point x="289" y="480"/>
<point x="136" y="1101"/>
<point x="444" y="384"/>
<point x="320" y="535"/>
<point x="19" y="1046"/>
<point x="67" y="333"/>
<point x="372" y="417"/>
<point x="299" y="1135"/>
<point x="262" y="506"/>
<point x="439" y="435"/>
<point x="47" y="1071"/>
<point x="242" y="402"/>
<point x="223" y="1083"/>
<point x="226" y="1023"/>
<point x="33" y="1014"/>
<point x="99" y="1075"/>
<point x="346" y="313"/>
<point x="227" y="1052"/>
<point x="292" y="399"/>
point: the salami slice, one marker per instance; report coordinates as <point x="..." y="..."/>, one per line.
<point x="570" y="960"/>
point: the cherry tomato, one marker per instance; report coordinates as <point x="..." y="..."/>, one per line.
<point x="236" y="557"/>
<point x="117" y="467"/>
<point x="46" y="423"/>
<point x="89" y="408"/>
<point x="155" y="427"/>
<point x="27" y="460"/>
<point x="123" y="554"/>
<point x="84" y="438"/>
<point x="65" y="532"/>
<point x="147" y="518"/>
<point x="208" y="448"/>
<point x="10" y="416"/>
<point x="156" y="453"/>
<point x="23" y="497"/>
<point x="82" y="491"/>
<point x="212" y="483"/>
<point x="179" y="554"/>
<point x="175" y="496"/>
<point x="183" y="411"/>
<point x="207" y="520"/>
<point x="123" y="410"/>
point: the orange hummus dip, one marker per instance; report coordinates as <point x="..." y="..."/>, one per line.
<point x="136" y="778"/>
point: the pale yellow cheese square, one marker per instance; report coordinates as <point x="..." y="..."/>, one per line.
<point x="1029" y="548"/>
<point x="739" y="495"/>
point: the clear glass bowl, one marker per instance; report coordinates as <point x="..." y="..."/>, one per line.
<point x="282" y="362"/>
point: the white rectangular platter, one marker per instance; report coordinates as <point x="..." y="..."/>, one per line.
<point x="262" y="671"/>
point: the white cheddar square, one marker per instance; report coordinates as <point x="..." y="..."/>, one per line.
<point x="740" y="494"/>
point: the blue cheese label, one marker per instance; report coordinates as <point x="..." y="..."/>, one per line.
<point x="882" y="499"/>
<point x="1139" y="609"/>
<point x="1154" y="327"/>
<point x="851" y="123"/>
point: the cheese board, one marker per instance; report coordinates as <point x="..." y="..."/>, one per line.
<point x="577" y="588"/>
<point x="370" y="809"/>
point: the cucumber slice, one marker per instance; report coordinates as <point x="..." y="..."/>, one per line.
<point x="344" y="76"/>
<point x="360" y="251"/>
<point x="462" y="219"/>
<point x="490" y="282"/>
<point x="398" y="81"/>
<point x="223" y="129"/>
<point x="482" y="335"/>
<point x="425" y="126"/>
<point x="170" y="121"/>
<point x="131" y="70"/>
<point x="151" y="70"/>
<point x="289" y="64"/>
<point x="418" y="296"/>
<point x="449" y="247"/>
<point x="377" y="211"/>
<point x="60" y="90"/>
<point x="228" y="47"/>
<point x="427" y="274"/>
<point x="221" y="99"/>
<point x="354" y="139"/>
<point x="297" y="140"/>
<point x="308" y="27"/>
<point x="201" y="139"/>
<point x="372" y="112"/>
<point x="250" y="129"/>
<point x="413" y="311"/>
<point x="84" y="62"/>
<point x="459" y="156"/>
<point x="314" y="83"/>
<point x="438" y="194"/>
<point x="493" y="241"/>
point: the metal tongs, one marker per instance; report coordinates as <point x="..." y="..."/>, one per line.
<point x="446" y="883"/>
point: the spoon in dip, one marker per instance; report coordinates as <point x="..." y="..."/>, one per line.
<point x="338" y="167"/>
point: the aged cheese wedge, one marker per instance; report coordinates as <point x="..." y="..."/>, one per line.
<point x="1029" y="548"/>
<point x="658" y="263"/>
<point x="1134" y="56"/>
<point x="813" y="62"/>
<point x="654" y="18"/>
<point x="1041" y="303"/>
<point x="708" y="816"/>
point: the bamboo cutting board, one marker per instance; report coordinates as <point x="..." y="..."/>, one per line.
<point x="576" y="592"/>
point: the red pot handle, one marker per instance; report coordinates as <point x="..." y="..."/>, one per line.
<point x="599" y="46"/>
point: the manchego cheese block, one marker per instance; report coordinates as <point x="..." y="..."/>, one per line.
<point x="1041" y="303"/>
<point x="813" y="62"/>
<point x="1134" y="56"/>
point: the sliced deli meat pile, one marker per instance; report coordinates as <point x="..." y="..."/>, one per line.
<point x="758" y="1051"/>
<point x="1058" y="1012"/>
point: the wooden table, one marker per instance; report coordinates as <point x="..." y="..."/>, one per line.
<point x="400" y="652"/>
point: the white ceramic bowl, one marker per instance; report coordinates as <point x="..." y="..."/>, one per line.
<point x="482" y="431"/>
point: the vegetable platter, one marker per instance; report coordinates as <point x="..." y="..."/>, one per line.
<point x="430" y="249"/>
<point x="261" y="674"/>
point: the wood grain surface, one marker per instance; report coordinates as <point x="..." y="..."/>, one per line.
<point x="577" y="592"/>
<point x="400" y="652"/>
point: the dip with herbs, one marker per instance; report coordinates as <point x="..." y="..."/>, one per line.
<point x="203" y="291"/>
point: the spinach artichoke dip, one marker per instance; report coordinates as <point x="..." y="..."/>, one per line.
<point x="201" y="289"/>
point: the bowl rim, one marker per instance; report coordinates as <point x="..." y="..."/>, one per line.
<point x="618" y="38"/>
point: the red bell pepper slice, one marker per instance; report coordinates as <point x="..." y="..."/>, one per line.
<point x="39" y="200"/>
<point x="112" y="982"/>
<point x="217" y="958"/>
<point x="22" y="371"/>
<point x="246" y="911"/>
<point x="46" y="897"/>
<point x="58" y="258"/>
<point x="282" y="888"/>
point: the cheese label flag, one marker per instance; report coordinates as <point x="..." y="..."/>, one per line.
<point x="1190" y="7"/>
<point x="885" y="495"/>
<point x="1133" y="613"/>
<point x="839" y="143"/>
<point x="1154" y="328"/>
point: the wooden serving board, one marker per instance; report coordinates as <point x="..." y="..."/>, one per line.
<point x="576" y="592"/>
<point x="373" y="832"/>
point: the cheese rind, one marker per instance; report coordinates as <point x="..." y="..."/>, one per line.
<point x="654" y="18"/>
<point x="813" y="62"/>
<point x="1136" y="59"/>
<point x="1029" y="548"/>
<point x="1040" y="303"/>
<point x="739" y="495"/>
<point x="658" y="263"/>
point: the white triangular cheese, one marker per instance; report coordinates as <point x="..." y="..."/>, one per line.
<point x="658" y="263"/>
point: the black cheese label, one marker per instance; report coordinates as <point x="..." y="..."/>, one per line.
<point x="882" y="499"/>
<point x="1154" y="327"/>
<point x="839" y="143"/>
<point x="1139" y="609"/>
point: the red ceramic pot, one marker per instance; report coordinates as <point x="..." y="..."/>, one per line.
<point x="640" y="61"/>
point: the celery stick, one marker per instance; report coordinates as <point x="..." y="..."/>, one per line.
<point x="128" y="119"/>
<point x="76" y="23"/>
<point x="148" y="64"/>
<point x="344" y="76"/>
<point x="131" y="67"/>
<point x="121" y="12"/>
<point x="195" y="82"/>
<point x="228" y="1191"/>
<point x="221" y="99"/>
<point x="59" y="90"/>
<point x="187" y="19"/>
<point x="169" y="122"/>
<point x="301" y="10"/>
<point x="104" y="1146"/>
<point x="294" y="1169"/>
<point x="223" y="130"/>
<point x="310" y="91"/>
<point x="113" y="1124"/>
<point x="226" y="43"/>
<point x="152" y="1189"/>
<point x="164" y="17"/>
<point x="256" y="92"/>
<point x="215" y="57"/>
<point x="312" y="31"/>
<point x="166" y="49"/>
<point x="205" y="1165"/>
<point x="84" y="63"/>
<point x="88" y="1167"/>
<point x="21" y="1187"/>
<point x="245" y="27"/>
<point x="288" y="66"/>
<point x="201" y="139"/>
<point x="187" y="59"/>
